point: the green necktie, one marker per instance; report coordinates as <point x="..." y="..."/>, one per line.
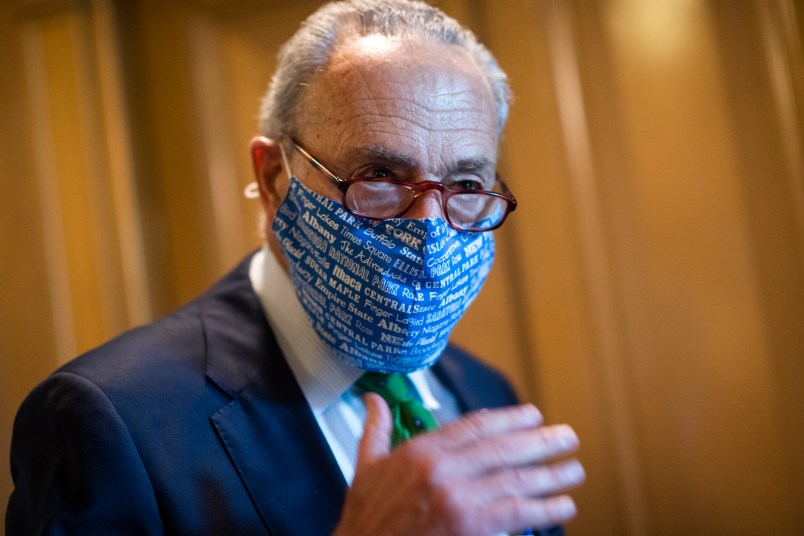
<point x="410" y="416"/>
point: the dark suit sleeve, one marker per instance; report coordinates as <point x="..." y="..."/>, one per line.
<point x="75" y="467"/>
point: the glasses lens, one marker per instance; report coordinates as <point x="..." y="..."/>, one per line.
<point x="378" y="199"/>
<point x="476" y="211"/>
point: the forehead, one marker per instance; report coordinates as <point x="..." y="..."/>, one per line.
<point x="403" y="96"/>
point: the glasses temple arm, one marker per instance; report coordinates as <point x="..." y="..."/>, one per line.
<point x="315" y="163"/>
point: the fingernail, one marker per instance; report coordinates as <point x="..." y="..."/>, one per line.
<point x="532" y="412"/>
<point x="574" y="471"/>
<point x="565" y="507"/>
<point x="567" y="438"/>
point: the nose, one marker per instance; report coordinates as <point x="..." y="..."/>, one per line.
<point x="427" y="205"/>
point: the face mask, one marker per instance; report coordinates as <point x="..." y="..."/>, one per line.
<point x="382" y="295"/>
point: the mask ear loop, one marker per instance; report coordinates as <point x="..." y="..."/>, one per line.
<point x="285" y="160"/>
<point x="252" y="189"/>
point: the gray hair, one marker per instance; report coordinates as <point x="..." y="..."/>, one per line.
<point x="311" y="47"/>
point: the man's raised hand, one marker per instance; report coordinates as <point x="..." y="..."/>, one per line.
<point x="491" y="471"/>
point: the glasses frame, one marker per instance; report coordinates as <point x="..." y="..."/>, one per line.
<point x="418" y="188"/>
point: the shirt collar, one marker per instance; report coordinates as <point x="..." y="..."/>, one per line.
<point x="322" y="377"/>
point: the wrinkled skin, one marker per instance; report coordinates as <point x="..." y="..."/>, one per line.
<point x="484" y="474"/>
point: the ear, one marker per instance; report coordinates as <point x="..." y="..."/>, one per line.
<point x="266" y="160"/>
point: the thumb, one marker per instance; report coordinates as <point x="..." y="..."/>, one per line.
<point x="376" y="440"/>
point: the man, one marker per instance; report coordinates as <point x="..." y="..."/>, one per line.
<point x="249" y="411"/>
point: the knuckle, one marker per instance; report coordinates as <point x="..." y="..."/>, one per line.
<point x="431" y="469"/>
<point x="429" y="465"/>
<point x="545" y="443"/>
<point x="545" y="481"/>
<point x="521" y="511"/>
<point x="520" y="479"/>
<point x="452" y="508"/>
<point x="511" y="483"/>
<point x="505" y="450"/>
<point x="447" y="500"/>
<point x="475" y="423"/>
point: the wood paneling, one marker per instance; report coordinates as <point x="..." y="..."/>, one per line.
<point x="27" y="345"/>
<point x="648" y="290"/>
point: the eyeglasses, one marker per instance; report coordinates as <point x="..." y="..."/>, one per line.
<point x="381" y="199"/>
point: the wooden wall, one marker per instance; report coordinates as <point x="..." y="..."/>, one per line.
<point x="649" y="290"/>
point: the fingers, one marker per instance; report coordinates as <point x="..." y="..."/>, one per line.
<point x="376" y="440"/>
<point x="505" y="464"/>
<point x="533" y="481"/>
<point x="485" y="424"/>
<point x="516" y="513"/>
<point x="522" y="448"/>
<point x="489" y="472"/>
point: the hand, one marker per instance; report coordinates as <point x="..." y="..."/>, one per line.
<point x="491" y="471"/>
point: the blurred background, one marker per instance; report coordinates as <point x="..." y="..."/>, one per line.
<point x="649" y="290"/>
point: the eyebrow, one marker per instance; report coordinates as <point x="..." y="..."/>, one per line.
<point x="380" y="154"/>
<point x="474" y="164"/>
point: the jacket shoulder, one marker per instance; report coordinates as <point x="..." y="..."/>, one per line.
<point x="167" y="347"/>
<point x="174" y="350"/>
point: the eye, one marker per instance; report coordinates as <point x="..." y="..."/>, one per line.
<point x="375" y="172"/>
<point x="468" y="184"/>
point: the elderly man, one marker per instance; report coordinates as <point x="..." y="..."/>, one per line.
<point x="291" y="397"/>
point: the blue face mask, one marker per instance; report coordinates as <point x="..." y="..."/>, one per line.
<point x="383" y="295"/>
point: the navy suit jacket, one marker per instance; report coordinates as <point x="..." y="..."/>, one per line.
<point x="191" y="425"/>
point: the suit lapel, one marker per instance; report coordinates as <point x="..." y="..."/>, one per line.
<point x="279" y="452"/>
<point x="450" y="375"/>
<point x="267" y="428"/>
<point x="473" y="385"/>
